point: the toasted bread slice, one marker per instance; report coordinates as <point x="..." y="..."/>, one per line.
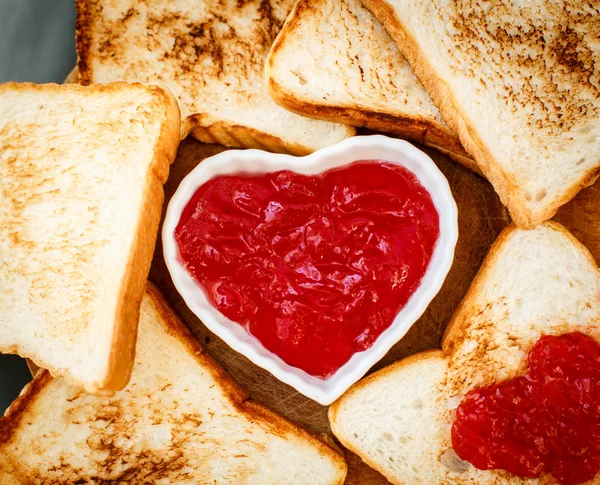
<point x="398" y="420"/>
<point x="519" y="82"/>
<point x="334" y="61"/>
<point x="181" y="420"/>
<point x="82" y="188"/>
<point x="211" y="55"/>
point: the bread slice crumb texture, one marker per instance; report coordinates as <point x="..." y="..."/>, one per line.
<point x="180" y="420"/>
<point x="519" y="82"/>
<point x="82" y="173"/>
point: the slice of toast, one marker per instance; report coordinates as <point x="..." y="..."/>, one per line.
<point x="210" y="54"/>
<point x="82" y="188"/>
<point x="519" y="82"/>
<point x="180" y="420"/>
<point x="398" y="420"/>
<point x="334" y="61"/>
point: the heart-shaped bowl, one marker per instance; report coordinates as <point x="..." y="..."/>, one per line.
<point x="377" y="147"/>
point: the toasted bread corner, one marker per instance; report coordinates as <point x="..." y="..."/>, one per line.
<point x="430" y="354"/>
<point x="444" y="99"/>
<point x="344" y="433"/>
<point x="454" y="333"/>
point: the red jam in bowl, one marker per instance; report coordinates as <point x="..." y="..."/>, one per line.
<point x="315" y="267"/>
<point x="547" y="421"/>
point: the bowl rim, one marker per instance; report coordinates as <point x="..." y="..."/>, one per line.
<point x="373" y="147"/>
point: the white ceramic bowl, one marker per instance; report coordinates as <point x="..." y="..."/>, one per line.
<point x="378" y="147"/>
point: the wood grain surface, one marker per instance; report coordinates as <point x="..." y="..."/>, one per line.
<point x="481" y="217"/>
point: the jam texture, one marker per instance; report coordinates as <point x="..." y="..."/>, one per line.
<point x="315" y="267"/>
<point x="547" y="421"/>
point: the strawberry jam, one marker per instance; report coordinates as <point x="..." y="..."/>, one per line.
<point x="315" y="267"/>
<point x="547" y="421"/>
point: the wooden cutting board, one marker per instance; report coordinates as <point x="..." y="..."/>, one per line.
<point x="481" y="218"/>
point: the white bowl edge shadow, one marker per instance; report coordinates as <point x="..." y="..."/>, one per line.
<point x="375" y="147"/>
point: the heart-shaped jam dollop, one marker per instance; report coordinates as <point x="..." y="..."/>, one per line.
<point x="547" y="421"/>
<point x="315" y="267"/>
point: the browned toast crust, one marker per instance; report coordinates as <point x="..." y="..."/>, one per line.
<point x="140" y="256"/>
<point x="232" y="135"/>
<point x="14" y="414"/>
<point x="412" y="128"/>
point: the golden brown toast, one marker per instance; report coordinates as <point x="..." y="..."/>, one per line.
<point x="181" y="420"/>
<point x="83" y="170"/>
<point x="210" y="54"/>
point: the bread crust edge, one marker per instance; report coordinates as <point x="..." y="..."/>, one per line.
<point x="133" y="284"/>
<point x="208" y="130"/>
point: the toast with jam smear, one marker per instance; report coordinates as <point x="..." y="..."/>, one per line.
<point x="334" y="61"/>
<point x="82" y="189"/>
<point x="520" y="84"/>
<point x="181" y="419"/>
<point x="399" y="419"/>
<point x="210" y="54"/>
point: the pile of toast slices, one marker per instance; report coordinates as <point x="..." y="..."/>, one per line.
<point x="125" y="393"/>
